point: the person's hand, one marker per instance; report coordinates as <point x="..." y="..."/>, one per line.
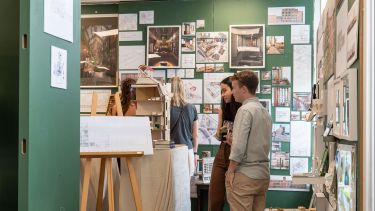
<point x="229" y="177"/>
<point x="229" y="138"/>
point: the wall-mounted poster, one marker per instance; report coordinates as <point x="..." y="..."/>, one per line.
<point x="207" y="129"/>
<point x="286" y="15"/>
<point x="302" y="68"/>
<point x="299" y="165"/>
<point x="146" y="17"/>
<point x="281" y="132"/>
<point x="163" y="46"/>
<point x="99" y="50"/>
<point x="188" y="44"/>
<point x="300" y="34"/>
<point x="266" y="89"/>
<point x="301" y="101"/>
<point x="280" y="160"/>
<point x="341" y="38"/>
<point x="131" y="56"/>
<point x="282" y="114"/>
<point x="300" y="143"/>
<point x="193" y="91"/>
<point x="280" y="96"/>
<point x="188" y="29"/>
<point x="212" y="47"/>
<point x="346" y="177"/>
<point x="58" y="18"/>
<point x="212" y="91"/>
<point x="281" y="76"/>
<point x="352" y="39"/>
<point x="127" y="22"/>
<point x="247" y="45"/>
<point x="266" y="75"/>
<point x="59" y="62"/>
<point x="275" y="45"/>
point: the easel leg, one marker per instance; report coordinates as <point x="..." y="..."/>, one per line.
<point x="86" y="182"/>
<point x="111" y="203"/>
<point x="99" y="200"/>
<point x="134" y="183"/>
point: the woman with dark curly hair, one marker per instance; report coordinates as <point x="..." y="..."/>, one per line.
<point x="128" y="96"/>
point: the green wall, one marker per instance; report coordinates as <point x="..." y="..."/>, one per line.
<point x="9" y="19"/>
<point x="218" y="15"/>
<point x="49" y="117"/>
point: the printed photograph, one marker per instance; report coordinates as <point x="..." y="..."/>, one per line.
<point x="280" y="160"/>
<point x="188" y="44"/>
<point x="275" y="45"/>
<point x="265" y="89"/>
<point x="280" y="96"/>
<point x="188" y="29"/>
<point x="281" y="132"/>
<point x="286" y="15"/>
<point x="99" y="51"/>
<point x="281" y="76"/>
<point x="163" y="46"/>
<point x="212" y="47"/>
<point x="301" y="101"/>
<point x="266" y="75"/>
<point x="247" y="46"/>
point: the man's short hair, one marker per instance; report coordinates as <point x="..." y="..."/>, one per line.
<point x="248" y="79"/>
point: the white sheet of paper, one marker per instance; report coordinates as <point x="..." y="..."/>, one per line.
<point x="282" y="114"/>
<point x="300" y="139"/>
<point x="58" y="18"/>
<point x="212" y="91"/>
<point x="200" y="24"/>
<point x="171" y="73"/>
<point x="115" y="134"/>
<point x="300" y="34"/>
<point x="146" y="17"/>
<point x="302" y="68"/>
<point x="198" y="107"/>
<point x="341" y="38"/>
<point x="59" y="60"/>
<point x="299" y="165"/>
<point x="130" y="57"/>
<point x="352" y="39"/>
<point x="189" y="73"/>
<point x="130" y="36"/>
<point x="127" y="22"/>
<point x="180" y="73"/>
<point x="193" y="90"/>
<point x="86" y="99"/>
<point x="188" y="60"/>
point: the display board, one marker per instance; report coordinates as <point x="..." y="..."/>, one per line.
<point x="218" y="16"/>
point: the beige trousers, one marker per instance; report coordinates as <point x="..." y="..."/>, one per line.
<point x="247" y="194"/>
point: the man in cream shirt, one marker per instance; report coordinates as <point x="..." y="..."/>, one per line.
<point x="248" y="176"/>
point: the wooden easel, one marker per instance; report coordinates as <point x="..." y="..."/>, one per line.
<point x="106" y="164"/>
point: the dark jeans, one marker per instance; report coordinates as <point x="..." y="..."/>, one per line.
<point x="216" y="194"/>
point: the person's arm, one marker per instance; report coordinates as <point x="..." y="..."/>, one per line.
<point x="219" y="123"/>
<point x="114" y="110"/>
<point x="241" y="130"/>
<point x="230" y="172"/>
<point x="195" y="136"/>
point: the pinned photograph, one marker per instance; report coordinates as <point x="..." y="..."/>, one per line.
<point x="207" y="108"/>
<point x="219" y="68"/>
<point x="280" y="96"/>
<point x="209" y="68"/>
<point x="281" y="132"/>
<point x="212" y="91"/>
<point x="286" y="15"/>
<point x="212" y="47"/>
<point x="265" y="89"/>
<point x="266" y="75"/>
<point x="188" y="44"/>
<point x="99" y="51"/>
<point x="295" y="115"/>
<point x="280" y="160"/>
<point x="200" y="68"/>
<point x="281" y="76"/>
<point x="163" y="46"/>
<point x="247" y="46"/>
<point x="59" y="62"/>
<point x="216" y="108"/>
<point x="200" y="24"/>
<point x="276" y="146"/>
<point x="266" y="104"/>
<point x="275" y="45"/>
<point x="301" y="101"/>
<point x="188" y="29"/>
<point x="299" y="165"/>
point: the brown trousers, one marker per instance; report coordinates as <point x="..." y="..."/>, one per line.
<point x="216" y="194"/>
<point x="247" y="194"/>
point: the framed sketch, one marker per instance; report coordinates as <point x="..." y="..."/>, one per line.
<point x="275" y="45"/>
<point x="247" y="45"/>
<point x="99" y="50"/>
<point x="163" y="46"/>
<point x="286" y="15"/>
<point x="212" y="47"/>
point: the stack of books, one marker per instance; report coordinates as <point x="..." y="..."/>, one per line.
<point x="163" y="144"/>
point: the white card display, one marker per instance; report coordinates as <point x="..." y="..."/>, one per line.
<point x="130" y="57"/>
<point x="58" y="18"/>
<point x="302" y="68"/>
<point x="127" y="22"/>
<point x="300" y="139"/>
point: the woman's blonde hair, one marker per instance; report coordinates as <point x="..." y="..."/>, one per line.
<point x="178" y="92"/>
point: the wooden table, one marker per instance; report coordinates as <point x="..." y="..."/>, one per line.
<point x="201" y="187"/>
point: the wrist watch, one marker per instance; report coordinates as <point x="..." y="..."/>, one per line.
<point x="195" y="153"/>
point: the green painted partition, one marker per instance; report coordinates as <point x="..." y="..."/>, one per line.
<point x="218" y="15"/>
<point x="49" y="117"/>
<point x="9" y="19"/>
